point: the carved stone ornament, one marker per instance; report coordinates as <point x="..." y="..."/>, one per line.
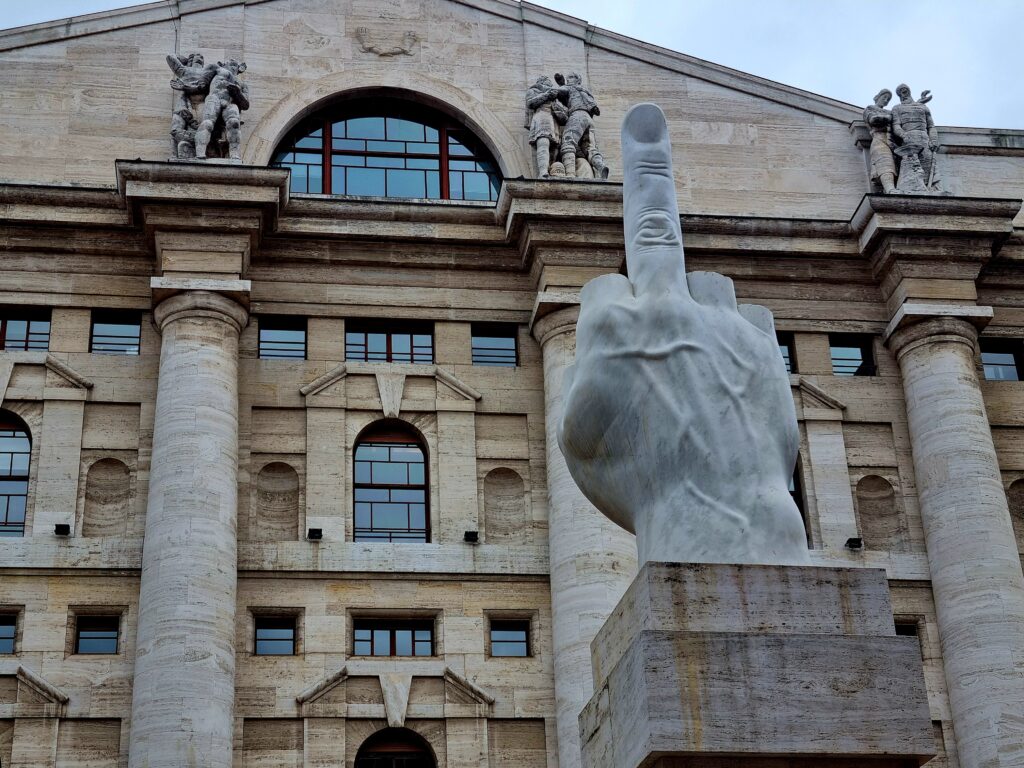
<point x="904" y="147"/>
<point x="679" y="424"/>
<point x="209" y="99"/>
<point x="560" y="116"/>
<point x="368" y="45"/>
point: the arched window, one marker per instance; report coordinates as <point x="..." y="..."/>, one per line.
<point x="15" y="453"/>
<point x="395" y="748"/>
<point x="390" y="488"/>
<point x="388" y="148"/>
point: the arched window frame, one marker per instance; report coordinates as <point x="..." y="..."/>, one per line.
<point x="15" y="470"/>
<point x="314" y="139"/>
<point x="367" y="484"/>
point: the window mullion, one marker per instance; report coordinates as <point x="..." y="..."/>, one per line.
<point x="442" y="134"/>
<point x="328" y="147"/>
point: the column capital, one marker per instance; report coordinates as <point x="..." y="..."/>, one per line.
<point x="555" y="323"/>
<point x="930" y="248"/>
<point x="198" y="303"/>
<point x="918" y="327"/>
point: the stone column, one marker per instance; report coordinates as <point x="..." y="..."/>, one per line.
<point x="592" y="561"/>
<point x="975" y="568"/>
<point x="183" y="697"/>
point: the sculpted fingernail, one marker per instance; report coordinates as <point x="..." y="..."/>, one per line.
<point x="644" y="124"/>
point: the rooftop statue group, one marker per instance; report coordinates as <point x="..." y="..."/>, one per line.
<point x="209" y="99"/>
<point x="560" y="116"/>
<point x="904" y="143"/>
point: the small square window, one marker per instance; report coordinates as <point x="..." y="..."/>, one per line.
<point x="852" y="354"/>
<point x="97" y="634"/>
<point x="906" y="629"/>
<point x="24" y="329"/>
<point x="1002" y="359"/>
<point x="275" y="635"/>
<point x="510" y="637"/>
<point x="282" y="338"/>
<point x="8" y="632"/>
<point x="495" y="345"/>
<point x="787" y="350"/>
<point x="115" y="333"/>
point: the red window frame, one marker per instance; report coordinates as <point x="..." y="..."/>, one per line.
<point x="447" y="128"/>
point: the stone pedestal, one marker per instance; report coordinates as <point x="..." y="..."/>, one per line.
<point x="183" y="696"/>
<point x="730" y="666"/>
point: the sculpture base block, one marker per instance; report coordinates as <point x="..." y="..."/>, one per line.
<point x="730" y="666"/>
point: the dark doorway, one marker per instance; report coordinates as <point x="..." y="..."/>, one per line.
<point x="395" y="748"/>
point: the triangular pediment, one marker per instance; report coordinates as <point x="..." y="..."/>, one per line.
<point x="815" y="397"/>
<point x="388" y="41"/>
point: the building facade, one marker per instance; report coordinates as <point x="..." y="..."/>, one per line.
<point x="279" y="482"/>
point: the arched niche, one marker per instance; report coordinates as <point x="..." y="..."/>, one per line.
<point x="395" y="748"/>
<point x="276" y="503"/>
<point x="881" y="521"/>
<point x="505" y="515"/>
<point x="107" y="497"/>
<point x="416" y="87"/>
<point x="1015" y="499"/>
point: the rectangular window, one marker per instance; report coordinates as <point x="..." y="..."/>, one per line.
<point x="787" y="350"/>
<point x="391" y="342"/>
<point x="852" y="354"/>
<point x="495" y="344"/>
<point x="96" y="634"/>
<point x="282" y="338"/>
<point x="510" y="637"/>
<point x="24" y="329"/>
<point x="115" y="333"/>
<point x="8" y="631"/>
<point x="275" y="635"/>
<point x="393" y="637"/>
<point x="1002" y="359"/>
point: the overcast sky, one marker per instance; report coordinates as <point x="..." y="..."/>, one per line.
<point x="969" y="53"/>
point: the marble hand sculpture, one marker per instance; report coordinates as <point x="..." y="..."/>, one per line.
<point x="679" y="424"/>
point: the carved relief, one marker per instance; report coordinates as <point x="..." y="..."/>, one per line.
<point x="210" y="98"/>
<point x="368" y="45"/>
<point x="560" y="116"/>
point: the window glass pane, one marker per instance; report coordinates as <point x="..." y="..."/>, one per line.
<point x="433" y="186"/>
<point x="352" y="145"/>
<point x="423" y="149"/>
<point x="385" y="162"/>
<point x="381" y="642"/>
<point x="366" y="181"/>
<point x="365" y="128"/>
<point x="424" y="163"/>
<point x="406" y="184"/>
<point x="348" y="160"/>
<point x="7" y="634"/>
<point x="403" y="642"/>
<point x="282" y="338"/>
<point x="477" y="186"/>
<point x="316" y="179"/>
<point x="404" y="130"/>
<point x="310" y="142"/>
<point x="385" y="146"/>
<point x="96" y="634"/>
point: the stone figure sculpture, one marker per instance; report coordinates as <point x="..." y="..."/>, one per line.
<point x="544" y="116"/>
<point x="883" y="163"/>
<point x="206" y="120"/>
<point x="916" y="143"/>
<point x="679" y="424"/>
<point x="561" y="122"/>
<point x="579" y="139"/>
